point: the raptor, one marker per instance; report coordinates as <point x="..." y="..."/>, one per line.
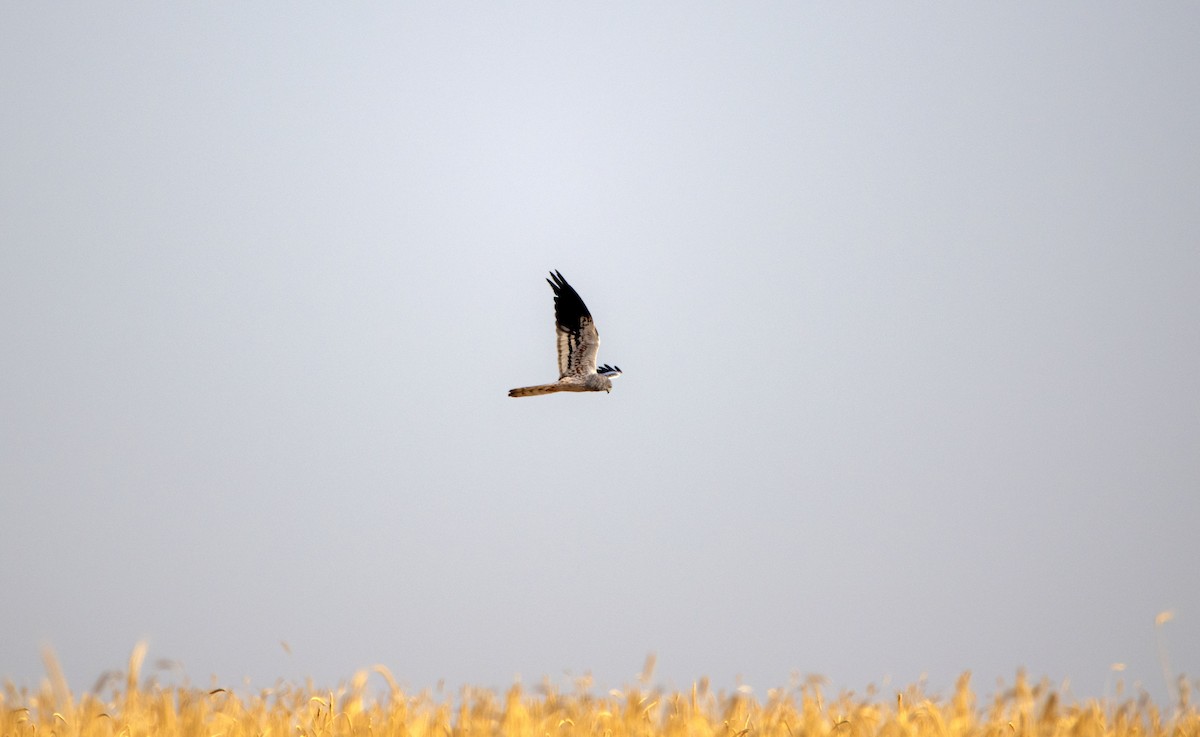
<point x="578" y="342"/>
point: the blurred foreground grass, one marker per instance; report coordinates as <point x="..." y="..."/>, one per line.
<point x="130" y="710"/>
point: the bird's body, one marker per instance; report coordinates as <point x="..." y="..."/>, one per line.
<point x="578" y="342"/>
<point x="593" y="383"/>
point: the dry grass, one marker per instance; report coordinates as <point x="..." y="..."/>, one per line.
<point x="129" y="710"/>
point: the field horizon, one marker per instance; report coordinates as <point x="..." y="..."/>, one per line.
<point x="119" y="705"/>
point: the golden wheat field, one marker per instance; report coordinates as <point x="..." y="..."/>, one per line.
<point x="128" y="710"/>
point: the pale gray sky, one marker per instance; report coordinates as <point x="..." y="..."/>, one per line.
<point x="907" y="298"/>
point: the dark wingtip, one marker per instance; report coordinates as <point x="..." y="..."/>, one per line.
<point x="569" y="308"/>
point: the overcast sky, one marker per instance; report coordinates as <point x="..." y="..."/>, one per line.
<point x="907" y="299"/>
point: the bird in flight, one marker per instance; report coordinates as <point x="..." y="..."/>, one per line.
<point x="578" y="342"/>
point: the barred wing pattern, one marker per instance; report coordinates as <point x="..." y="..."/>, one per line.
<point x="578" y="341"/>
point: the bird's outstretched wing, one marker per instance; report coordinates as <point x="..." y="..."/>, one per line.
<point x="609" y="371"/>
<point x="578" y="340"/>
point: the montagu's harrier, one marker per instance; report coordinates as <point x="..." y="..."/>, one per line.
<point x="577" y="345"/>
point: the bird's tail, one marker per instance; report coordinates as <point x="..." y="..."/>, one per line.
<point x="533" y="391"/>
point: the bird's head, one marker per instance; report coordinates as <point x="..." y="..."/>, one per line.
<point x="607" y="374"/>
